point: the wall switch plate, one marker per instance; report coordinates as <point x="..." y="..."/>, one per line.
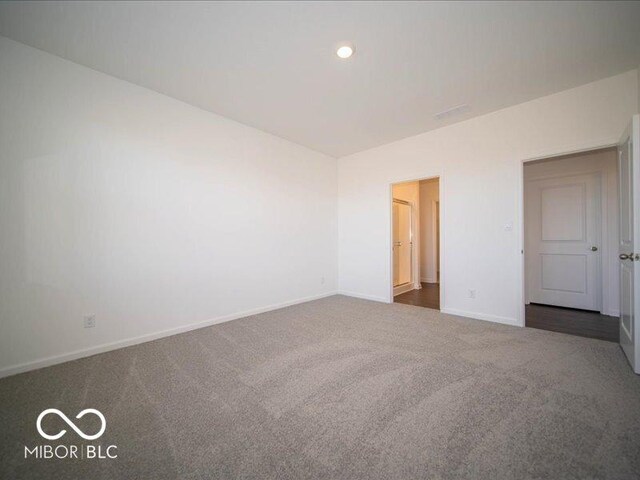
<point x="89" y="321"/>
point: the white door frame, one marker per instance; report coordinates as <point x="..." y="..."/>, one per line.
<point x="433" y="249"/>
<point x="415" y="178"/>
<point x="569" y="151"/>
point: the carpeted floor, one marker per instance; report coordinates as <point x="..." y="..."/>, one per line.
<point x="339" y="388"/>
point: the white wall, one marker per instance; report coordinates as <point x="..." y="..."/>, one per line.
<point x="480" y="165"/>
<point x="604" y="162"/>
<point x="410" y="192"/>
<point x="150" y="213"/>
<point x="429" y="194"/>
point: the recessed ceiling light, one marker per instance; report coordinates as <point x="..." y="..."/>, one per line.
<point x="345" y="51"/>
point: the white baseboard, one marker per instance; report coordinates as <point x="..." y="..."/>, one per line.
<point x="483" y="316"/>
<point x="106" y="347"/>
<point x="611" y="313"/>
<point x="403" y="289"/>
<point x="363" y="296"/>
<point x="429" y="280"/>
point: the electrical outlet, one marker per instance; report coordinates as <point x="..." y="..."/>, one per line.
<point x="322" y="281"/>
<point x="89" y="321"/>
<point x="472" y="294"/>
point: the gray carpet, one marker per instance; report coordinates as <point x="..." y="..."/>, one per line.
<point x="340" y="388"/>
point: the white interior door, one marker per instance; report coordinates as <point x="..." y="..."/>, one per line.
<point x="562" y="251"/>
<point x="629" y="172"/>
<point x="401" y="243"/>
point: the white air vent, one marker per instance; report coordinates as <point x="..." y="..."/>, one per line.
<point x="457" y="110"/>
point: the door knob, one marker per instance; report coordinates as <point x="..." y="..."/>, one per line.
<point x="594" y="249"/>
<point x="626" y="256"/>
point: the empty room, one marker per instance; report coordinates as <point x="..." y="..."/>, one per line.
<point x="319" y="240"/>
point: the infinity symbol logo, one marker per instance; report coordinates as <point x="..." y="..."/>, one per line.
<point x="71" y="424"/>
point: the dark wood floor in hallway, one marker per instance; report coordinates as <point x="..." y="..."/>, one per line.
<point x="544" y="317"/>
<point x="573" y="322"/>
<point x="428" y="296"/>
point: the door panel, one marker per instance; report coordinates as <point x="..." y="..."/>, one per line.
<point x="629" y="177"/>
<point x="396" y="240"/>
<point x="563" y="213"/>
<point x="402" y="247"/>
<point x="562" y="230"/>
<point x="626" y="313"/>
<point x="566" y="273"/>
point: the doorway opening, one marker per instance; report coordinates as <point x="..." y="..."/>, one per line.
<point x="415" y="211"/>
<point x="570" y="244"/>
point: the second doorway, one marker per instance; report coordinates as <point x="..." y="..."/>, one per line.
<point x="571" y="231"/>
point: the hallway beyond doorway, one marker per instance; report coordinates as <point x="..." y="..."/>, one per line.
<point x="428" y="296"/>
